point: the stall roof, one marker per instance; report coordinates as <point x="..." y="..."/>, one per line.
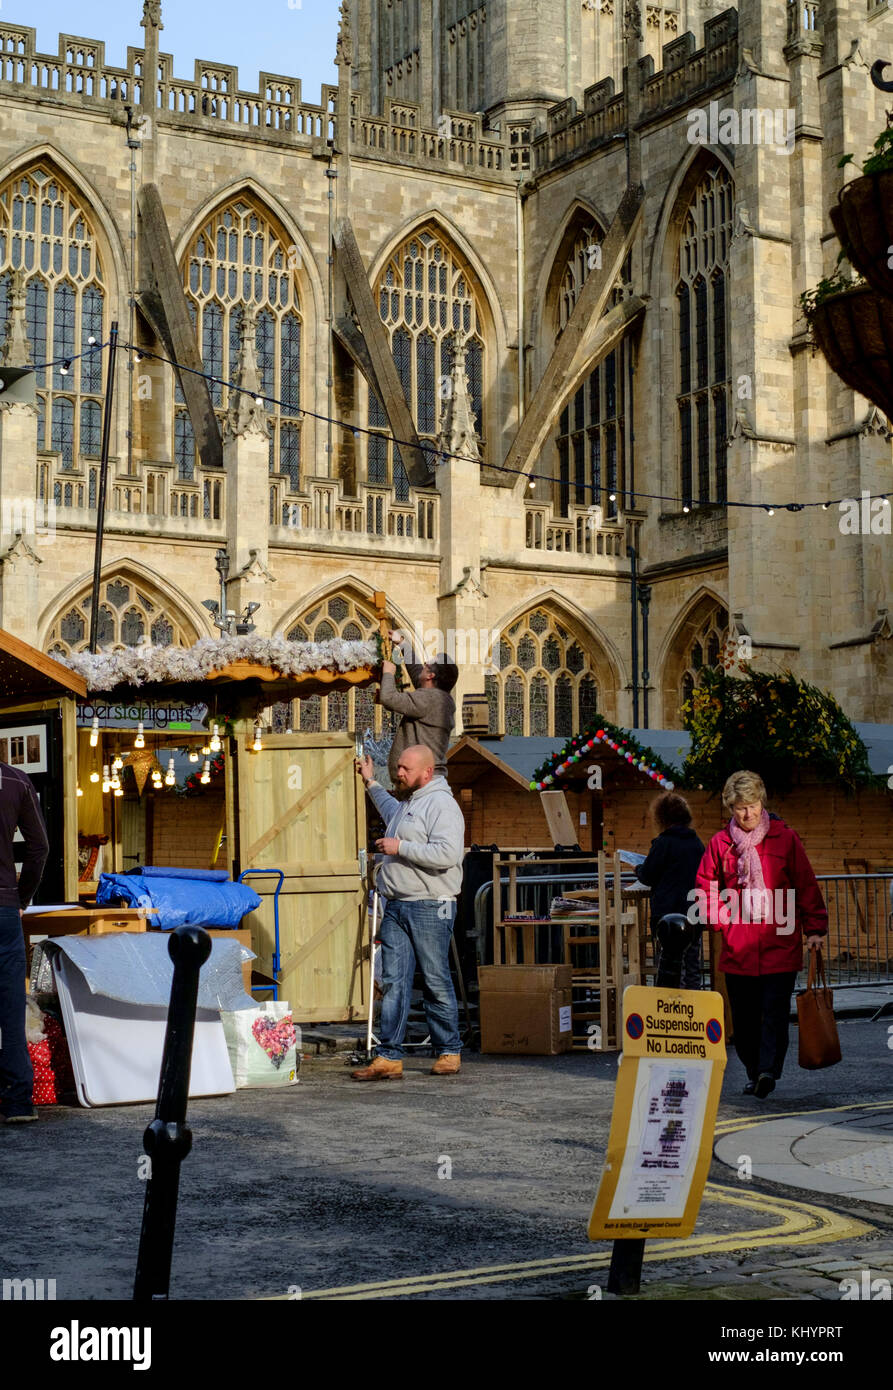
<point x="243" y="670"/>
<point x="521" y="756"/>
<point x="26" y="673"/>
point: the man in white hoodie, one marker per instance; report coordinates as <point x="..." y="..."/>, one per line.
<point x="419" y="878"/>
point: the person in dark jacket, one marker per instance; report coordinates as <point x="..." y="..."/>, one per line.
<point x="18" y="810"/>
<point x="757" y="887"/>
<point x="428" y="712"/>
<point x="669" y="871"/>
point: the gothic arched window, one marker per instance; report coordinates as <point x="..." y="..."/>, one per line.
<point x="705" y="650"/>
<point x="240" y="257"/>
<point x="591" y="438"/>
<point x="424" y="296"/>
<point x="545" y="684"/>
<point x="130" y="614"/>
<point x="45" y="233"/>
<point x="338" y="616"/>
<point x="704" y="386"/>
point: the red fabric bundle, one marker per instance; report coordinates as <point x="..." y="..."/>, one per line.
<point x="51" y="1061"/>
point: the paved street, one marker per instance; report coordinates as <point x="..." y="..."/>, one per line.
<point x="341" y="1189"/>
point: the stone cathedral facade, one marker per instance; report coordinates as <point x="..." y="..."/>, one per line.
<point x="522" y="321"/>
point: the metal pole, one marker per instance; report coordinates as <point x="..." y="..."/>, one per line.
<point x="634" y="635"/>
<point x="625" y="1274"/>
<point x="103" y="478"/>
<point x="645" y="602"/>
<point x="168" y="1138"/>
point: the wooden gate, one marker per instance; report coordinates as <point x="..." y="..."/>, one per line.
<point x="298" y="806"/>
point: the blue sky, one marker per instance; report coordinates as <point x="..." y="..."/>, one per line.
<point x="272" y="35"/>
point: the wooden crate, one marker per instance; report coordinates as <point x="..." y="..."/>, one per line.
<point x="299" y="806"/>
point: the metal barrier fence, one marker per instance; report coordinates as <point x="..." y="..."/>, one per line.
<point x="860" y="923"/>
<point x="860" y="929"/>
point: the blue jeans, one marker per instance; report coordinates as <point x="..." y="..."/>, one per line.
<point x="16" y="1073"/>
<point x="417" y="932"/>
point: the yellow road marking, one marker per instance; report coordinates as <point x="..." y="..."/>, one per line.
<point x="799" y="1223"/>
<point x="741" y="1122"/>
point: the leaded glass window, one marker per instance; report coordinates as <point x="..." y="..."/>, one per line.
<point x="345" y="617"/>
<point x="704" y="390"/>
<point x="45" y="232"/>
<point x="424" y="294"/>
<point x="125" y="613"/>
<point x="705" y="650"/>
<point x="544" y="684"/>
<point x="238" y="257"/>
<point x="591" y="438"/>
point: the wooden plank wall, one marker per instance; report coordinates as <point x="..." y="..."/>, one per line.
<point x="499" y="812"/>
<point x="832" y="826"/>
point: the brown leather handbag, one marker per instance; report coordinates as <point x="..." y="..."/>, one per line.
<point x="819" y="1043"/>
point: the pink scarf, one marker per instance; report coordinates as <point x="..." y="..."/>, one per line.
<point x="750" y="870"/>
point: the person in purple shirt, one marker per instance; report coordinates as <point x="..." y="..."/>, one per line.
<point x="19" y="810"/>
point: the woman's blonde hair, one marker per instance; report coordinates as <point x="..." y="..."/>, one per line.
<point x="743" y="787"/>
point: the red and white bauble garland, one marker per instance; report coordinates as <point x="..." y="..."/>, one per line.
<point x="601" y="737"/>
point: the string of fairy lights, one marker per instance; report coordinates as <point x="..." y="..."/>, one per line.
<point x="438" y="456"/>
<point x="111" y="777"/>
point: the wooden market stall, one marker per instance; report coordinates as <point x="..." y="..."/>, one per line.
<point x="38" y="734"/>
<point x="291" y="802"/>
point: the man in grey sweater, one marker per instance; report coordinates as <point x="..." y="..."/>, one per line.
<point x="428" y="712"/>
<point x="419" y="878"/>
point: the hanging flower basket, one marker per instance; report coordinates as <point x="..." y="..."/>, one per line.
<point x="854" y="329"/>
<point x="863" y="221"/>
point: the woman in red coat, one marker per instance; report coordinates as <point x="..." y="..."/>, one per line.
<point x="756" y="885"/>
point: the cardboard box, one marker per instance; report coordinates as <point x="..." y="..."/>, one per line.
<point x="524" y="979"/>
<point x="532" y="1022"/>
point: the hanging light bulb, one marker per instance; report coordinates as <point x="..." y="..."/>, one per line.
<point x="94" y="732"/>
<point x="257" y="745"/>
<point x="118" y="791"/>
<point x="206" y="772"/>
<point x="215" y="744"/>
<point x="94" y="776"/>
<point x="117" y="762"/>
<point x="206" y="751"/>
<point x="80" y="793"/>
<point x="170" y="776"/>
<point x="139" y="741"/>
<point x="115" y="783"/>
<point x="193" y="755"/>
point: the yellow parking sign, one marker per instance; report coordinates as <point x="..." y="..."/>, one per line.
<point x="665" y="1104"/>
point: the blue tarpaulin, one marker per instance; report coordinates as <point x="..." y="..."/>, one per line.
<point x="180" y="900"/>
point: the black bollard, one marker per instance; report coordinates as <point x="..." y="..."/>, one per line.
<point x="625" y="1274"/>
<point x="168" y="1138"/>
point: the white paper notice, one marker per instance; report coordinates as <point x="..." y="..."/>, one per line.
<point x="664" y="1139"/>
<point x="564" y="1019"/>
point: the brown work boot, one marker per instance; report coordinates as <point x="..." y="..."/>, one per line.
<point x="379" y="1069"/>
<point x="447" y="1064"/>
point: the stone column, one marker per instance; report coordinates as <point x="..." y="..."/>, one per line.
<point x="246" y="436"/>
<point x="23" y="517"/>
<point x="462" y="604"/>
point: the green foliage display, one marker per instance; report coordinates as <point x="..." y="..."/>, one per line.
<point x="774" y="725"/>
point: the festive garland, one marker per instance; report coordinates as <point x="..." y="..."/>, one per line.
<point x="774" y="725"/>
<point x="194" y="783"/>
<point x="141" y="665"/>
<point x="638" y="755"/>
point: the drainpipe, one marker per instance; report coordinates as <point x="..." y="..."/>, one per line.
<point x="645" y="601"/>
<point x="634" y="634"/>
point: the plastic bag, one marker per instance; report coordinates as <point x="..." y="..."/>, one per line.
<point x="264" y="1044"/>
